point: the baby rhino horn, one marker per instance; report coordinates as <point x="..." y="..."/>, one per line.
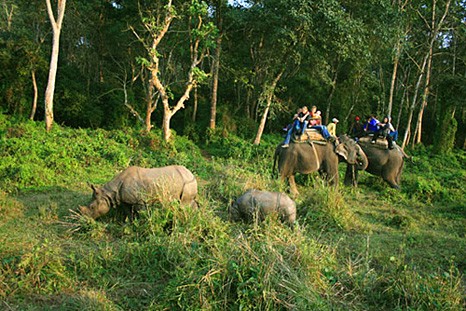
<point x="84" y="210"/>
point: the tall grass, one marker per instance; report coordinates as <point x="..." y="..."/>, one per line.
<point x="370" y="248"/>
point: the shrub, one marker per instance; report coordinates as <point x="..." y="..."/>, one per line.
<point x="326" y="208"/>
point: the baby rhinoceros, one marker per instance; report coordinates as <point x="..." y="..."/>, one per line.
<point x="133" y="188"/>
<point x="256" y="204"/>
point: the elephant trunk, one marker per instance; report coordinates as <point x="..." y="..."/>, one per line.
<point x="362" y="161"/>
<point x="351" y="176"/>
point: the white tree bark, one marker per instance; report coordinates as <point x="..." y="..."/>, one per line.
<point x="36" y="95"/>
<point x="434" y="29"/>
<point x="56" y="27"/>
<point x="269" y="92"/>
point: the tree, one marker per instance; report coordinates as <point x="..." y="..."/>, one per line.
<point x="21" y="58"/>
<point x="400" y="7"/>
<point x="157" y="22"/>
<point x="56" y="28"/>
<point x="219" y="8"/>
<point x="434" y="29"/>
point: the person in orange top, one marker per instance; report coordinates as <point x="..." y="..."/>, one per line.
<point x="314" y="116"/>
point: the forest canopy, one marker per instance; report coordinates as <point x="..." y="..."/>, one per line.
<point x="240" y="67"/>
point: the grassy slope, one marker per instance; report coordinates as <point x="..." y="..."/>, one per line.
<point x="369" y="248"/>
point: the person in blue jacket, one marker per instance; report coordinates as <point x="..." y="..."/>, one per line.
<point x="372" y="125"/>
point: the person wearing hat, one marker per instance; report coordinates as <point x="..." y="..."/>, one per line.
<point x="357" y="128"/>
<point x="332" y="127"/>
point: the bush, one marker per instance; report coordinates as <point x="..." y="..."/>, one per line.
<point x="326" y="208"/>
<point x="33" y="158"/>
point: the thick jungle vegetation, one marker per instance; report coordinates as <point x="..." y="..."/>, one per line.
<point x="238" y="66"/>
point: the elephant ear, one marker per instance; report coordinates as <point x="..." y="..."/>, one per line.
<point x="341" y="151"/>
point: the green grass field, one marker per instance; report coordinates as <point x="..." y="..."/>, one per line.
<point x="369" y="248"/>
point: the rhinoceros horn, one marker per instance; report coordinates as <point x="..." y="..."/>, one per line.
<point x="84" y="210"/>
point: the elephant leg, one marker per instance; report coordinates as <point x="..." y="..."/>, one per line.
<point x="331" y="174"/>
<point x="390" y="178"/>
<point x="293" y="189"/>
<point x="398" y="176"/>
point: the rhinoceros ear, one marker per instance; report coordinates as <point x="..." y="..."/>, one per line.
<point x="92" y="186"/>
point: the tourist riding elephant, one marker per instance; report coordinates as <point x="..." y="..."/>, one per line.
<point x="386" y="163"/>
<point x="313" y="156"/>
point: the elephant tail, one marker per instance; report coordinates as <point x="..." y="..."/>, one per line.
<point x="403" y="153"/>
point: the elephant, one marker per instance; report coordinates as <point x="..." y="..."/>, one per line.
<point x="386" y="163"/>
<point x="312" y="156"/>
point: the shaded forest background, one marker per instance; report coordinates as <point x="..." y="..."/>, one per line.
<point x="241" y="68"/>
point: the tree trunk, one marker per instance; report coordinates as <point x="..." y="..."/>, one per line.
<point x="413" y="104"/>
<point x="270" y="90"/>
<point x="215" y="69"/>
<point x="434" y="29"/>
<point x="401" y="5"/>
<point x="197" y="54"/>
<point x="330" y="97"/>
<point x="169" y="112"/>
<point x="150" y="106"/>
<point x="133" y="111"/>
<point x="167" y="115"/>
<point x="196" y="103"/>
<point x="49" y="92"/>
<point x="36" y="95"/>
<point x="404" y="98"/>
<point x="392" y="85"/>
<point x="147" y="122"/>
<point x="425" y="96"/>
<point x="9" y="15"/>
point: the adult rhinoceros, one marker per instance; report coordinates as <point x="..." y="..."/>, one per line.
<point x="133" y="188"/>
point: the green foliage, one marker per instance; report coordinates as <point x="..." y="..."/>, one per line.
<point x="438" y="182"/>
<point x="326" y="208"/>
<point x="34" y="158"/>
<point x="200" y="75"/>
<point x="231" y="146"/>
<point x="446" y="124"/>
<point x="361" y="249"/>
<point x="399" y="286"/>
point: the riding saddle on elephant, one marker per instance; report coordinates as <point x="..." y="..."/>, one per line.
<point x="309" y="134"/>
<point x="380" y="142"/>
